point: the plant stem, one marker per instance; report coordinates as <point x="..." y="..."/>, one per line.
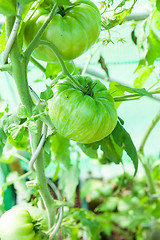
<point x="134" y="96"/>
<point x="34" y="43"/>
<point x="148" y="172"/>
<point x="65" y="70"/>
<point x="13" y="34"/>
<point x="6" y="67"/>
<point x="155" y="120"/>
<point x="145" y="162"/>
<point x="19" y="70"/>
<point x="40" y="173"/>
<point x="37" y="64"/>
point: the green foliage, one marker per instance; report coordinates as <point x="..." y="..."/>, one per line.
<point x="144" y="72"/>
<point x="7" y="8"/>
<point x="2" y="39"/>
<point x="47" y="94"/>
<point x="123" y="139"/>
<point x="158" y="5"/>
<point x="69" y="180"/>
<point x="118" y="15"/>
<point x="112" y="147"/>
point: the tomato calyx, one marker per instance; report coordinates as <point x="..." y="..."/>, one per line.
<point x="90" y="86"/>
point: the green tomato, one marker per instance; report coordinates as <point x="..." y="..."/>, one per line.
<point x="17" y="224"/>
<point x="82" y="117"/>
<point x="72" y="30"/>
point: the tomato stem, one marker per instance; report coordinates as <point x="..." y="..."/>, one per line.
<point x="34" y="43"/>
<point x="13" y="34"/>
<point x="64" y="68"/>
<point x="19" y="71"/>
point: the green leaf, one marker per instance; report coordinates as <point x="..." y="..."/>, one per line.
<point x="68" y="181"/>
<point x="16" y="131"/>
<point x="7" y="120"/>
<point x="89" y="149"/>
<point x="158" y="5"/>
<point x="7" y="8"/>
<point x="90" y="186"/>
<point x="25" y="1"/>
<point x="140" y="91"/>
<point x="116" y="19"/>
<point x="2" y="39"/>
<point x="60" y="147"/>
<point x="123" y="139"/>
<point x="62" y="2"/>
<point x="22" y="112"/>
<point x="3" y="138"/>
<point x="47" y="94"/>
<point x="52" y="69"/>
<point x="115" y="91"/>
<point x="112" y="152"/>
<point x="144" y="72"/>
<point x="21" y="145"/>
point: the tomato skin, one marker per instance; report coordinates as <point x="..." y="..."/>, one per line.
<point x="16" y="224"/>
<point x="72" y="33"/>
<point x="81" y="117"/>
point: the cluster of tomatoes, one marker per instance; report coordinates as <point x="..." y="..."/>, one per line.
<point x="83" y="116"/>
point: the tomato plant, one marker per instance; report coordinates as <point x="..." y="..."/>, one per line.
<point x="70" y="30"/>
<point x="69" y="120"/>
<point x="92" y="114"/>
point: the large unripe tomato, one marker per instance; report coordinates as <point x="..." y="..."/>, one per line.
<point x="17" y="224"/>
<point x="72" y="30"/>
<point x="82" y="117"/>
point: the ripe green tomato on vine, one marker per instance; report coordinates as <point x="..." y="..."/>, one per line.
<point x="84" y="117"/>
<point x="73" y="30"/>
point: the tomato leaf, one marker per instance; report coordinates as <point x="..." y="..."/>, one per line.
<point x="22" y="112"/>
<point x="89" y="149"/>
<point x="60" y="147"/>
<point x="2" y="39"/>
<point x="144" y="72"/>
<point x="69" y="180"/>
<point x="158" y="5"/>
<point x="62" y="2"/>
<point x="16" y="131"/>
<point x="47" y="94"/>
<point x="25" y="1"/>
<point x="123" y="139"/>
<point x="3" y="138"/>
<point x="52" y="69"/>
<point x="112" y="152"/>
<point x="7" y="8"/>
<point x="115" y="91"/>
<point x="140" y="91"/>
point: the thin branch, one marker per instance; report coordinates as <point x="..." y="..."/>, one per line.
<point x="37" y="64"/>
<point x="39" y="148"/>
<point x="135" y="96"/>
<point x="13" y="34"/>
<point x="60" y="217"/>
<point x="34" y="43"/>
<point x="155" y="120"/>
<point x="6" y="67"/>
<point x="64" y="68"/>
<point x="34" y="94"/>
